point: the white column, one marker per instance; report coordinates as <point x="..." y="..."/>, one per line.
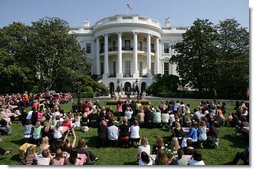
<point x="98" y="65"/>
<point x="135" y="55"/>
<point x="119" y="59"/>
<point x="148" y="54"/>
<point x="105" y="75"/>
<point x="157" y="70"/>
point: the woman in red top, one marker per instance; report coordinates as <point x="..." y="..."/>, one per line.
<point x="67" y="123"/>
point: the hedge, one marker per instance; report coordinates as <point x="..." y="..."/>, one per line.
<point x="114" y="102"/>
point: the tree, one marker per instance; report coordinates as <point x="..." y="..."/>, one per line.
<point x="195" y="54"/>
<point x="166" y="84"/>
<point x="214" y="58"/>
<point x="56" y="53"/>
<point x="233" y="54"/>
<point x="15" y="68"/>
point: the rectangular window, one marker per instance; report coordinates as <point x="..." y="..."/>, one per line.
<point x="152" y="68"/>
<point x="152" y="45"/>
<point x="88" y="48"/>
<point x="114" y="46"/>
<point x="140" y="46"/>
<point x="102" y="48"/>
<point x="166" y="47"/>
<point x="166" y="68"/>
<point x="127" y="44"/>
<point x="127" y="70"/>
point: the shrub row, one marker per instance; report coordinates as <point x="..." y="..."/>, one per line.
<point x="114" y="102"/>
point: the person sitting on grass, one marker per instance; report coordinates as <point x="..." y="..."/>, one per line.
<point x="202" y="137"/>
<point x="244" y="156"/>
<point x="143" y="147"/>
<point x="45" y="158"/>
<point x="102" y="133"/>
<point x="175" y="145"/>
<point x="37" y="133"/>
<point x="4" y="126"/>
<point x="196" y="159"/>
<point x="141" y="116"/>
<point x="29" y="157"/>
<point x="159" y="145"/>
<point x="113" y="134"/>
<point x="82" y="148"/>
<point x="145" y="159"/>
<point x="192" y="134"/>
<point x="161" y="158"/>
<point x="28" y="134"/>
<point x="124" y="132"/>
<point x="134" y="133"/>
<point x="59" y="158"/>
<point x="67" y="145"/>
<point x="180" y="159"/>
<point x="156" y="117"/>
<point x="44" y="144"/>
<point x="76" y="159"/>
<point x="189" y="149"/>
<point x="177" y="131"/>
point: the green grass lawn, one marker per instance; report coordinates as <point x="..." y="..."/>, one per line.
<point x="229" y="143"/>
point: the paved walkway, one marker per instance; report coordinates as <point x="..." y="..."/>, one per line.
<point x="134" y="97"/>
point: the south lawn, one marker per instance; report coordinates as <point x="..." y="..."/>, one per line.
<point x="229" y="143"/>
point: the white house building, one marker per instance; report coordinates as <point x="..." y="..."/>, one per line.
<point x="128" y="50"/>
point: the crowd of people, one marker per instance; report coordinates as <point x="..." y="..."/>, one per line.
<point x="48" y="127"/>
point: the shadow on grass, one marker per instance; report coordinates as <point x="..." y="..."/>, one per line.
<point x="15" y="157"/>
<point x="130" y="163"/>
<point x="92" y="141"/>
<point x="237" y="141"/>
<point x="18" y="142"/>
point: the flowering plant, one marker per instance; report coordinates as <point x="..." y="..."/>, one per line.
<point x="169" y="153"/>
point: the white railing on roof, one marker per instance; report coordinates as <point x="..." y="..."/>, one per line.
<point x="126" y="19"/>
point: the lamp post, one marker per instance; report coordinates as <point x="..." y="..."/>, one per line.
<point x="136" y="89"/>
<point x="79" y="104"/>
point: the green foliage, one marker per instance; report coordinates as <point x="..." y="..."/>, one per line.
<point x="15" y="68"/>
<point x="44" y="54"/>
<point x="56" y="52"/>
<point x="194" y="55"/>
<point x="164" y="84"/>
<point x="114" y="102"/>
<point x="85" y="80"/>
<point x="88" y="89"/>
<point x="214" y="59"/>
<point x="233" y="51"/>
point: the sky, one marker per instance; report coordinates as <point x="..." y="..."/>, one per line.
<point x="180" y="12"/>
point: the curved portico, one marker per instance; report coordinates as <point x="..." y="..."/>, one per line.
<point x="128" y="54"/>
<point x="129" y="49"/>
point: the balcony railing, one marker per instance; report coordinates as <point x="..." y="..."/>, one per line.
<point x="143" y="75"/>
<point x="112" y="75"/>
<point x="127" y="49"/>
<point x="127" y="75"/>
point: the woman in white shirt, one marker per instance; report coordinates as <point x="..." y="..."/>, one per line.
<point x="143" y="147"/>
<point x="57" y="134"/>
<point x="134" y="133"/>
<point x="128" y="113"/>
<point x="45" y="158"/>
